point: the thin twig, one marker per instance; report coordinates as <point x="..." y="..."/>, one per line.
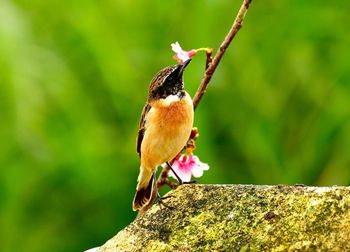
<point x="224" y="45"/>
<point x="209" y="59"/>
<point x="210" y="67"/>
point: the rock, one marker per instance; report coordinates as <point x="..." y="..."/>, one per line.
<point x="242" y="218"/>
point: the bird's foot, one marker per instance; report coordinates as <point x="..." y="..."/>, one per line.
<point x="160" y="201"/>
<point x="189" y="182"/>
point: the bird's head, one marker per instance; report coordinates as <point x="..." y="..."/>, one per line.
<point x="168" y="81"/>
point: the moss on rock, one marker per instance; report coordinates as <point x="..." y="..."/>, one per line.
<point x="242" y="218"/>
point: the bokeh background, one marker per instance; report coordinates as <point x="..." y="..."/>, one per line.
<point x="74" y="77"/>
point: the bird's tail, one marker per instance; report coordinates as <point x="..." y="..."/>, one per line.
<point x="144" y="189"/>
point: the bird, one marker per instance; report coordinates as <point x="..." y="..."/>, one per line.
<point x="164" y="129"/>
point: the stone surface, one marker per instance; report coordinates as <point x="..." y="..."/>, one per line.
<point x="242" y="218"/>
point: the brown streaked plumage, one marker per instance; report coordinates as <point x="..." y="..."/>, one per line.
<point x="165" y="126"/>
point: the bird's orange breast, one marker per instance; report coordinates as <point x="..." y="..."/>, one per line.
<point x="168" y="126"/>
<point x="173" y="115"/>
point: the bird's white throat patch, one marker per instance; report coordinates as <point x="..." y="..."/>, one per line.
<point x="170" y="99"/>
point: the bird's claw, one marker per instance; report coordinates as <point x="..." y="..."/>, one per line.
<point x="160" y="201"/>
<point x="188" y="183"/>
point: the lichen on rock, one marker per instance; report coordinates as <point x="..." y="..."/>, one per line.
<point x="242" y="218"/>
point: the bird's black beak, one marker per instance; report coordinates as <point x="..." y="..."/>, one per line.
<point x="184" y="65"/>
<point x="181" y="68"/>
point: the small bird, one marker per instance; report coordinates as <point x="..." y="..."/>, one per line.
<point x="165" y="126"/>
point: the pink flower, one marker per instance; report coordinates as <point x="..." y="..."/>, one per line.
<point x="181" y="55"/>
<point x="187" y="166"/>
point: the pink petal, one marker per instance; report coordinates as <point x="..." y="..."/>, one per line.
<point x="187" y="165"/>
<point x="176" y="47"/>
<point x="184" y="176"/>
<point x="182" y="55"/>
<point x="181" y="168"/>
<point x="192" y="53"/>
<point x="198" y="167"/>
<point x="197" y="171"/>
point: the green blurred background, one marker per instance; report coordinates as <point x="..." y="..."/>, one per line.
<point x="74" y="77"/>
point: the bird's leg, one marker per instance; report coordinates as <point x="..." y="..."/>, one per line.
<point x="177" y="176"/>
<point x="159" y="198"/>
<point x="160" y="201"/>
<point x="164" y="179"/>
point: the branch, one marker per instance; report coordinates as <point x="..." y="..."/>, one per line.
<point x="210" y="66"/>
<point x="224" y="45"/>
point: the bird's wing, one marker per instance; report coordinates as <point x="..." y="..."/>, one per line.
<point x="141" y="132"/>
